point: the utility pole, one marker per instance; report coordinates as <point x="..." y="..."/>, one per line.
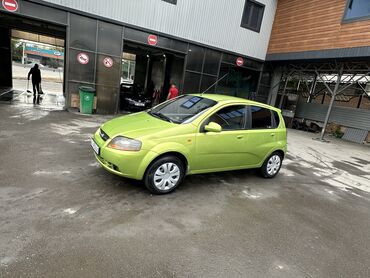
<point x="23" y="58"/>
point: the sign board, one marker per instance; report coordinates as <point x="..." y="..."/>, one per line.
<point x="152" y="40"/>
<point x="10" y="5"/>
<point x="108" y="62"/>
<point x="83" y="58"/>
<point x="239" y="61"/>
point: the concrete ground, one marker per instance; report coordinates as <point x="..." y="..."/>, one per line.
<point x="61" y="215"/>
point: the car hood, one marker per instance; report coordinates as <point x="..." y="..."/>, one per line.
<point x="135" y="125"/>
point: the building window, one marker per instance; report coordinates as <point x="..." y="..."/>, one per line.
<point x="252" y="15"/>
<point x="357" y="9"/>
<point x="171" y="1"/>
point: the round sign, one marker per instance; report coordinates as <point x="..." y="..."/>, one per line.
<point x="108" y="62"/>
<point x="10" y="5"/>
<point x="152" y="39"/>
<point x="83" y="58"/>
<point x="239" y="61"/>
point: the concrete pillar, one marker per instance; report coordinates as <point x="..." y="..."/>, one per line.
<point x="6" y="58"/>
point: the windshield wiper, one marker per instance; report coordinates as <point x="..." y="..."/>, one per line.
<point x="161" y="116"/>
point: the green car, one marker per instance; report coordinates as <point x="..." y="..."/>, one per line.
<point x="192" y="134"/>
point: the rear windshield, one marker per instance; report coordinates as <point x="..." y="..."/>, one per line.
<point x="182" y="109"/>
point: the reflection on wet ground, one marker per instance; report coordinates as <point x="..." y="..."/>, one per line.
<point x="48" y="100"/>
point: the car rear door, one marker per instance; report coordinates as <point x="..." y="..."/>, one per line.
<point x="262" y="135"/>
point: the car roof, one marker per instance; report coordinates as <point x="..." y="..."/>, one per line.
<point x="226" y="98"/>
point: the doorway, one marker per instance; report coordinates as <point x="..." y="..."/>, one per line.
<point x="24" y="43"/>
<point x="147" y="74"/>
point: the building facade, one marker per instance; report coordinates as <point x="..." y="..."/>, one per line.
<point x="318" y="61"/>
<point x="198" y="45"/>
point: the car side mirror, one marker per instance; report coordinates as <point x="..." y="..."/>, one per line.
<point x="213" y="127"/>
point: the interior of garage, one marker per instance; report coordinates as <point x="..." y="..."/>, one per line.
<point x="147" y="73"/>
<point x="17" y="36"/>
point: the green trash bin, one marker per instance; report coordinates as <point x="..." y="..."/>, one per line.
<point x="86" y="99"/>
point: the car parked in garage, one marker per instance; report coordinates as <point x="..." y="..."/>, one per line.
<point x="192" y="134"/>
<point x="133" y="98"/>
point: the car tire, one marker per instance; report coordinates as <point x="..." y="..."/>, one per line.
<point x="164" y="175"/>
<point x="271" y="167"/>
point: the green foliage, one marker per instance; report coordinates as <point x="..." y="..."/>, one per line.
<point x="17" y="50"/>
<point x="338" y="133"/>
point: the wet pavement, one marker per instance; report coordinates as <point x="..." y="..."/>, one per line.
<point x="61" y="215"/>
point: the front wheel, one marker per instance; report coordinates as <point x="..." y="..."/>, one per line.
<point x="164" y="175"/>
<point x="272" y="165"/>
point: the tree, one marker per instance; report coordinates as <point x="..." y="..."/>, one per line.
<point x="17" y="50"/>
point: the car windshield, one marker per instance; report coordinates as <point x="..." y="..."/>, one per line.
<point x="181" y="109"/>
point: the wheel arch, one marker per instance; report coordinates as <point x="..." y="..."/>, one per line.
<point x="153" y="158"/>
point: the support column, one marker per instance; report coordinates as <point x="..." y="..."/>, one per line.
<point x="284" y="90"/>
<point x="312" y="89"/>
<point x="333" y="94"/>
<point x="275" y="84"/>
<point x="6" y="58"/>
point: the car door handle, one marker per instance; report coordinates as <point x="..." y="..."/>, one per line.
<point x="239" y="137"/>
<point x="272" y="134"/>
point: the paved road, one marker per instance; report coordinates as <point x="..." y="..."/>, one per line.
<point x="47" y="86"/>
<point x="61" y="215"/>
<point x="20" y="71"/>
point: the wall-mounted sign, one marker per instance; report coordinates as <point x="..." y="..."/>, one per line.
<point x="239" y="61"/>
<point x="152" y="40"/>
<point x="108" y="62"/>
<point x="83" y="58"/>
<point x="10" y="5"/>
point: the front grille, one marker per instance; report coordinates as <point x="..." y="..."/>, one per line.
<point x="103" y="135"/>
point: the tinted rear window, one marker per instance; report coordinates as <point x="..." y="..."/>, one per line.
<point x="261" y="118"/>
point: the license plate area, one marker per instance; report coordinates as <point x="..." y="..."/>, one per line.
<point x="95" y="146"/>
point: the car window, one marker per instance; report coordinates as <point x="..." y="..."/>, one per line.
<point x="276" y="118"/>
<point x="261" y="118"/>
<point x="231" y="117"/>
<point x="182" y="108"/>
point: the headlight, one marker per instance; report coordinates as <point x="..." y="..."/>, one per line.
<point x="124" y="144"/>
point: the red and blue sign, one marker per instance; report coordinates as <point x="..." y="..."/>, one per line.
<point x="31" y="50"/>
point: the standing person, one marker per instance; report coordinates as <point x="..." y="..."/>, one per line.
<point x="174" y="92"/>
<point x="36" y="80"/>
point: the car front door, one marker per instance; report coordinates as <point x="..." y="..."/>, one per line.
<point x="226" y="149"/>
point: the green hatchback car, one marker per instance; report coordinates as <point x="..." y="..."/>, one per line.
<point x="192" y="134"/>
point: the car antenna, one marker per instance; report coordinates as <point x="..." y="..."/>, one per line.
<point x="215" y="83"/>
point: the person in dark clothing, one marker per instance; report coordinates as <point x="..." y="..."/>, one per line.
<point x="36" y="81"/>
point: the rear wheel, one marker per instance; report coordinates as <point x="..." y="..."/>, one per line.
<point x="272" y="165"/>
<point x="164" y="175"/>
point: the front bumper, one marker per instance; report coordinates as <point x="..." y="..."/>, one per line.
<point x="129" y="164"/>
